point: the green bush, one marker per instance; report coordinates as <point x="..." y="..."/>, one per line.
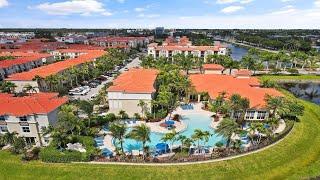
<point x="293" y="71"/>
<point x="52" y="154"/>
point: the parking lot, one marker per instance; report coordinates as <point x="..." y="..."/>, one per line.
<point x="94" y="91"/>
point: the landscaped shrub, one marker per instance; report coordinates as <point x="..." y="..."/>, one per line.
<point x="52" y="154"/>
<point x="293" y="71"/>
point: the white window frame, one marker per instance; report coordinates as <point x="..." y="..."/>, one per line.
<point x="250" y="114"/>
<point x="4" y="127"/>
<point x="24" y="129"/>
<point x="261" y="115"/>
<point x="22" y="118"/>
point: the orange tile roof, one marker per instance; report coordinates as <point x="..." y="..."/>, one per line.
<point x="215" y="84"/>
<point x="135" y="81"/>
<point x="23" y="59"/>
<point x="213" y="67"/>
<point x="243" y="72"/>
<point x="55" y="68"/>
<point x="40" y="103"/>
<point x="188" y="48"/>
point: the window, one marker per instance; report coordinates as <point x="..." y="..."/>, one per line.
<point x="237" y="114"/>
<point x="261" y="115"/>
<point x="2" y="118"/>
<point x="250" y="114"/>
<point x="23" y="118"/>
<point x="30" y="140"/>
<point x="25" y="129"/>
<point x="3" y="129"/>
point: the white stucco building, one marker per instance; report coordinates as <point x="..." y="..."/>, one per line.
<point x="172" y="46"/>
<point x="129" y="89"/>
<point x="29" y="115"/>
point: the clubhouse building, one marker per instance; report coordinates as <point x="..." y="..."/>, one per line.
<point x="131" y="87"/>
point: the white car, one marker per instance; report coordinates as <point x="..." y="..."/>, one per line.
<point x="94" y="96"/>
<point x="80" y="91"/>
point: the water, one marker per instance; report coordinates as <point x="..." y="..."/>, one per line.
<point x="195" y="121"/>
<point x="306" y="91"/>
<point x="237" y="52"/>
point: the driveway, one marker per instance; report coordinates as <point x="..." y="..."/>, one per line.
<point x="134" y="63"/>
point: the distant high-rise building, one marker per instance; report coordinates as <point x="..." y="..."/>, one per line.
<point x="159" y="31"/>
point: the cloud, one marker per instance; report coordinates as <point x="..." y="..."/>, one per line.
<point x="139" y="9"/>
<point x="4" y="3"/>
<point x="231" y="9"/>
<point x="142" y="15"/>
<point x="285" y="10"/>
<point x="233" y="1"/>
<point x="82" y="7"/>
<point x="226" y="1"/>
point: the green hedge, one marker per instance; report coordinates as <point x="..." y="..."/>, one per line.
<point x="52" y="154"/>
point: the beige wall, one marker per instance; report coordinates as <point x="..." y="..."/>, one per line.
<point x="130" y="106"/>
<point x="21" y="84"/>
<point x="212" y="72"/>
<point x="35" y="124"/>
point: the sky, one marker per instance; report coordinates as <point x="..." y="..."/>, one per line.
<point x="213" y="14"/>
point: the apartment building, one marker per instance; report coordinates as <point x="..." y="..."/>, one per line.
<point x="29" y="115"/>
<point x="28" y="78"/>
<point x="22" y="62"/>
<point x="120" y="42"/>
<point x="172" y="46"/>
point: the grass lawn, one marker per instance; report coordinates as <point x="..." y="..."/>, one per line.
<point x="296" y="157"/>
<point x="288" y="77"/>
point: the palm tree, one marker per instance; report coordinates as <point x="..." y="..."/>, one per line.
<point x="9" y="138"/>
<point x="143" y="106"/>
<point x="123" y="115"/>
<point x="182" y="139"/>
<point x="141" y="133"/>
<point x="273" y="104"/>
<point x="198" y="135"/>
<point x="172" y="136"/>
<point x="206" y="135"/>
<point x="227" y="128"/>
<point x="28" y="88"/>
<point x="118" y="132"/>
<point x="8" y="87"/>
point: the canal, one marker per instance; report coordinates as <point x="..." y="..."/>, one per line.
<point x="237" y="52"/>
<point x="306" y="91"/>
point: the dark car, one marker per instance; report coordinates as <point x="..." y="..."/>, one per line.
<point x="93" y="85"/>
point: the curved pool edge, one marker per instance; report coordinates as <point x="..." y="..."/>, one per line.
<point x="189" y="163"/>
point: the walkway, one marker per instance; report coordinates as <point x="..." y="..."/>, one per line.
<point x="281" y="127"/>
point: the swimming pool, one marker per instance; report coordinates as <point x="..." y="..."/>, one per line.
<point x="193" y="121"/>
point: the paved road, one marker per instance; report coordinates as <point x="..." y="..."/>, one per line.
<point x="134" y="63"/>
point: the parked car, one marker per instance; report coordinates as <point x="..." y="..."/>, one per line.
<point x="93" y="85"/>
<point x="84" y="90"/>
<point x="94" y="96"/>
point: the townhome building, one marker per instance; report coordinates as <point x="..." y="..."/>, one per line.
<point x="22" y="62"/>
<point x="29" y="115"/>
<point x="36" y="77"/>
